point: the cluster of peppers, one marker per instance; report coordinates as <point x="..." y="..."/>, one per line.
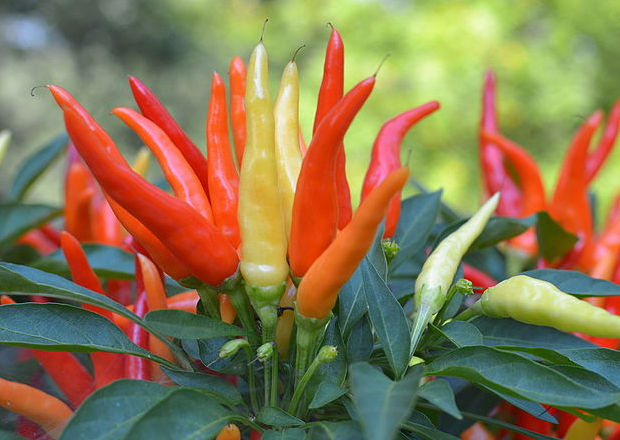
<point x="263" y="230"/>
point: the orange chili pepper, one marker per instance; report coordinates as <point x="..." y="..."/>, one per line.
<point x="227" y="310"/>
<point x="78" y="195"/>
<point x="237" y="73"/>
<point x="318" y="290"/>
<point x="229" y="432"/>
<point x="106" y="227"/>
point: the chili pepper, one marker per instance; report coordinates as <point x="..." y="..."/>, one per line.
<point x="78" y="195"/>
<point x="108" y="366"/>
<point x="477" y="431"/>
<point x="223" y="175"/>
<point x="605" y="250"/>
<point x="154" y="110"/>
<point x="67" y="372"/>
<point x="5" y="140"/>
<point x="318" y="290"/>
<point x="528" y="421"/>
<point x="582" y="430"/>
<point x="135" y="366"/>
<point x="47" y="411"/>
<point x="385" y="156"/>
<point x="142" y="162"/>
<point x="479" y="278"/>
<point x="433" y="282"/>
<point x="332" y="88"/>
<point x="565" y="420"/>
<point x="532" y="189"/>
<point x="236" y="75"/>
<point x="538" y="302"/>
<point x="597" y="157"/>
<point x="315" y="209"/>
<point x="303" y="146"/>
<point x="229" y="432"/>
<point x="286" y="320"/>
<point x="30" y="430"/>
<point x="38" y="241"/>
<point x="176" y="224"/>
<point x="51" y="233"/>
<point x="227" y="310"/>
<point x="178" y="172"/>
<point x="570" y="205"/>
<point x="263" y="249"/>
<point x="106" y="227"/>
<point x="495" y="176"/>
<point x="256" y="435"/>
<point x="288" y="154"/>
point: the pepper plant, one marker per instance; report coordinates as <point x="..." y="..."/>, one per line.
<point x="244" y="297"/>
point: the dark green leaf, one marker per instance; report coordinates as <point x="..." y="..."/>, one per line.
<point x="418" y="215"/>
<point x="360" y="342"/>
<point x="461" y="334"/>
<point x="388" y="319"/>
<point x="35" y="165"/>
<point x="16" y="219"/>
<point x="107" y="262"/>
<point x="602" y="361"/>
<point x="376" y="254"/>
<point x="439" y="393"/>
<point x="532" y="408"/>
<point x="209" y="350"/>
<point x="326" y="392"/>
<point x="8" y="435"/>
<point x="428" y="433"/>
<point x="18" y="254"/>
<point x="61" y="327"/>
<point x="351" y="302"/>
<point x="519" y="376"/>
<point x="336" y="370"/>
<point x="211" y="384"/>
<point x="277" y="417"/>
<point x="285" y="434"/>
<point x="381" y="404"/>
<point x="575" y="283"/>
<point x="348" y="430"/>
<point x="185" y="325"/>
<point x="553" y="240"/>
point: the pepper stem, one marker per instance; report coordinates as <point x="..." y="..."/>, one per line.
<point x="310" y="332"/>
<point x="240" y="301"/>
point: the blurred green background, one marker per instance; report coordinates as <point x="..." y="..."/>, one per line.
<point x="556" y="62"/>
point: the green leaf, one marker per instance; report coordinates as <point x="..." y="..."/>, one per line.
<point x="336" y="370"/>
<point x="388" y="319"/>
<point x="107" y="262"/>
<point x="428" y="433"/>
<point x="520" y="377"/>
<point x="381" y="404"/>
<point x="185" y="325"/>
<point x="16" y="219"/>
<point x="61" y="327"/>
<point x="417" y="217"/>
<point x="535" y="409"/>
<point x="347" y="430"/>
<point x="273" y="416"/>
<point x="575" y="283"/>
<point x="602" y="361"/>
<point x="360" y="342"/>
<point x="460" y="333"/>
<point x="208" y="383"/>
<point x="376" y="254"/>
<point x="351" y="302"/>
<point x="326" y="393"/>
<point x="439" y="393"/>
<point x="19" y="254"/>
<point x="139" y="410"/>
<point x="8" y="435"/>
<point x="553" y="240"/>
<point x="285" y="434"/>
<point x="35" y="165"/>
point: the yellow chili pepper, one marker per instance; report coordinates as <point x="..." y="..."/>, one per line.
<point x="582" y="430"/>
<point x="288" y="154"/>
<point x="142" y="161"/>
<point x="286" y="321"/>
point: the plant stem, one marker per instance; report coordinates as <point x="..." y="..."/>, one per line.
<point x="240" y="301"/>
<point x="269" y="318"/>
<point x="251" y="379"/>
<point x="274" y="379"/>
<point x="209" y="300"/>
<point x="301" y="386"/>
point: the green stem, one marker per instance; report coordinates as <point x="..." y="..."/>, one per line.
<point x="301" y="386"/>
<point x="469" y="313"/>
<point x="269" y="318"/>
<point x="273" y="401"/>
<point x="251" y="379"/>
<point x="240" y="301"/>
<point x="209" y="300"/>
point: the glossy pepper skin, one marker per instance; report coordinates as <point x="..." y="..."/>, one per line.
<point x="135" y="366"/>
<point x="385" y="157"/>
<point x="236" y="74"/>
<point x="330" y="92"/>
<point x="288" y="153"/>
<point x="223" y="175"/>
<point x="154" y="110"/>
<point x="315" y="209"/>
<point x="539" y="302"/>
<point x="263" y="237"/>
<point x="318" y="290"/>
<point x="160" y="212"/>
<point x="229" y="432"/>
<point x="79" y="192"/>
<point x="176" y="169"/>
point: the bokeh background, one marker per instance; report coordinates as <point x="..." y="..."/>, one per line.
<point x="556" y="62"/>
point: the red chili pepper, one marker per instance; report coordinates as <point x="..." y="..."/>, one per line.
<point x="153" y="109"/>
<point x="78" y="194"/>
<point x="176" y="224"/>
<point x="135" y="366"/>
<point x="386" y="157"/>
<point x="565" y="420"/>
<point x="479" y="278"/>
<point x="495" y="176"/>
<point x="106" y="227"/>
<point x="236" y="75"/>
<point x="331" y="91"/>
<point x="528" y="421"/>
<point x="605" y="145"/>
<point x="38" y="241"/>
<point x="51" y="233"/>
<point x="223" y="175"/>
<point x="570" y="205"/>
<point x="315" y="209"/>
<point x="178" y="172"/>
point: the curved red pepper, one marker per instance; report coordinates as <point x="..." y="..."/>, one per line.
<point x="137" y="367"/>
<point x="528" y="421"/>
<point x="153" y="109"/>
<point x="78" y="195"/>
<point x="597" y="157"/>
<point x="190" y="238"/>
<point x="386" y="157"/>
<point x="223" y="175"/>
<point x="332" y="89"/>
<point x="315" y="209"/>
<point x="236" y="74"/>
<point x="495" y="176"/>
<point x="106" y="227"/>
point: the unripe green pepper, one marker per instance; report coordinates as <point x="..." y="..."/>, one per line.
<point x="539" y="302"/>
